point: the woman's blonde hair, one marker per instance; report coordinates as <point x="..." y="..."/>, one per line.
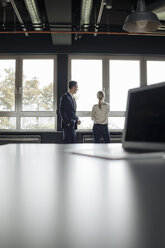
<point x="100" y="96"/>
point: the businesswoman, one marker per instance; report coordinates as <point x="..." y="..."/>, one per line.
<point x="99" y="116"/>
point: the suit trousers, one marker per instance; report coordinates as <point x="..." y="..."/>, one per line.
<point x="69" y="134"/>
<point x="100" y="130"/>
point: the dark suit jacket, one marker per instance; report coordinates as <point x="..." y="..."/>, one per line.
<point x="67" y="111"/>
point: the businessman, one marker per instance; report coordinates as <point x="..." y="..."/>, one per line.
<point x="67" y="110"/>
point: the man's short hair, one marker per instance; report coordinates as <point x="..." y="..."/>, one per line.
<point x="72" y="84"/>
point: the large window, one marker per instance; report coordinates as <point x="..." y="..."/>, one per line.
<point x="155" y="72"/>
<point x="114" y="75"/>
<point x="88" y="74"/>
<point x="124" y="75"/>
<point x="28" y="93"/>
<point x="37" y="85"/>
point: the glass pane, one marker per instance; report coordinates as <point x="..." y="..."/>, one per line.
<point x="124" y="75"/>
<point x="7" y="123"/>
<point x="7" y="85"/>
<point x="88" y="74"/>
<point x="155" y="72"/>
<point x="37" y="122"/>
<point x="37" y="92"/>
<point x="86" y="123"/>
<point x="116" y="122"/>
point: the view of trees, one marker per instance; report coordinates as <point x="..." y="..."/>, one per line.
<point x="34" y="98"/>
<point x="7" y="91"/>
<point x="37" y="123"/>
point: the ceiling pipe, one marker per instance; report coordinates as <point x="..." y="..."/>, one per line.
<point x="99" y="17"/>
<point x="32" y="8"/>
<point x="83" y="32"/>
<point x="108" y="5"/>
<point x="86" y="9"/>
<point x="19" y="17"/>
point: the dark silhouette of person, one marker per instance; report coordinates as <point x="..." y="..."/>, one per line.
<point x="67" y="109"/>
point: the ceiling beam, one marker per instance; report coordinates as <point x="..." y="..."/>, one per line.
<point x="60" y="12"/>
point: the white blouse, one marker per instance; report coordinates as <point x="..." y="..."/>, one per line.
<point x="100" y="116"/>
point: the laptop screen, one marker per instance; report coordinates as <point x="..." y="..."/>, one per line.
<point x="145" y="117"/>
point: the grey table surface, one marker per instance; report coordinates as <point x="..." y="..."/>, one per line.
<point x="50" y="198"/>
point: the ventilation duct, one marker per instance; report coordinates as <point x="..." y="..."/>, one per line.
<point x="60" y="13"/>
<point x="18" y="15"/>
<point x="108" y="5"/>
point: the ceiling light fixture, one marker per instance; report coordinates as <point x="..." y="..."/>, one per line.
<point x="141" y="21"/>
<point x="108" y="4"/>
<point x="86" y="9"/>
<point x="33" y="10"/>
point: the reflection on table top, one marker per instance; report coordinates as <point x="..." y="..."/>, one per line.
<point x="50" y="198"/>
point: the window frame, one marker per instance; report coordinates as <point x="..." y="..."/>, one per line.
<point x="19" y="113"/>
<point x="106" y="78"/>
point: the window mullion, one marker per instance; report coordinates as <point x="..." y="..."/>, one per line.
<point x="117" y="114"/>
<point x="105" y="75"/>
<point x="18" y="95"/>
<point x="143" y="72"/>
<point x="83" y="113"/>
<point x="55" y="91"/>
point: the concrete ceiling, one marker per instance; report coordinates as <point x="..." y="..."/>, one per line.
<point x="65" y="16"/>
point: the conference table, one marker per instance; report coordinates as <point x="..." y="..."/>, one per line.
<point x="53" y="198"/>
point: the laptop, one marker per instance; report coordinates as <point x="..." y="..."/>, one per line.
<point x="144" y="129"/>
